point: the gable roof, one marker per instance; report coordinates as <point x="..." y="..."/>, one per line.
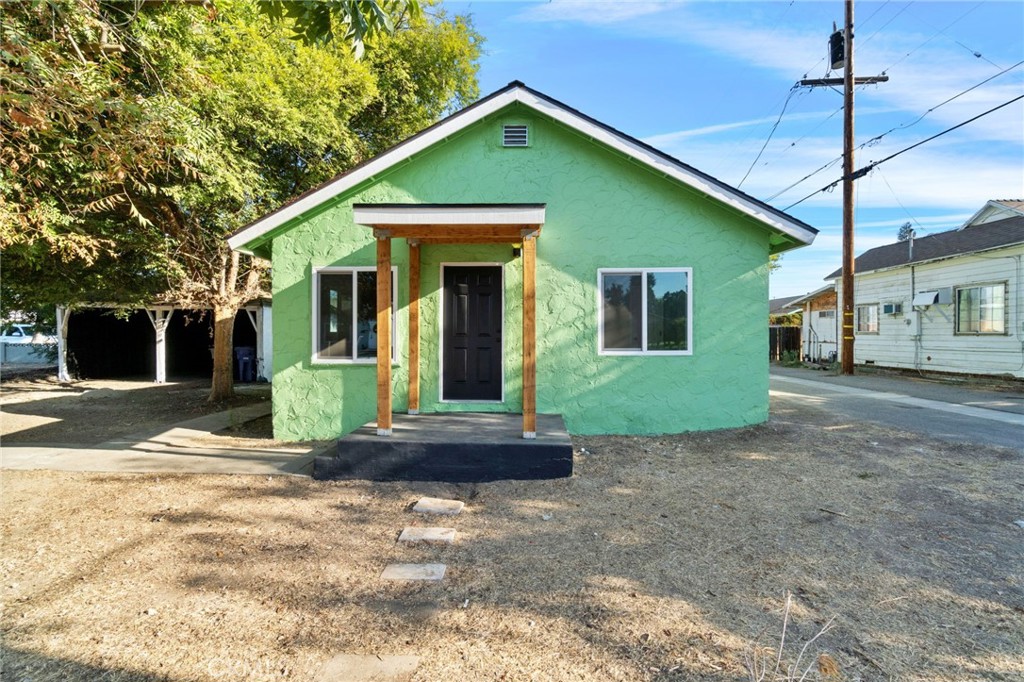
<point x="796" y="231"/>
<point x="995" y="209"/>
<point x="941" y="245"/>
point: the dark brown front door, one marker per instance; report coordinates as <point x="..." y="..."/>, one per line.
<point x="471" y="338"/>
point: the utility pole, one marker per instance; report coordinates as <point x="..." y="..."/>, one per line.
<point x="848" y="82"/>
<point x="847" y="348"/>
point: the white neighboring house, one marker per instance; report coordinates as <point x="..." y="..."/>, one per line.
<point x="948" y="302"/>
<point x="818" y="335"/>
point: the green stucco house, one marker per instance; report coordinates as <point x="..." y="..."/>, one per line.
<point x="520" y="257"/>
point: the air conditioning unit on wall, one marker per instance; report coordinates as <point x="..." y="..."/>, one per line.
<point x="892" y="308"/>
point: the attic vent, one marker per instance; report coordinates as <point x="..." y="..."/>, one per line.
<point x="515" y="136"/>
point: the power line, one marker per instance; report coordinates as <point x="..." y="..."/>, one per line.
<point x="942" y="31"/>
<point x="900" y="203"/>
<point x="891" y="19"/>
<point x="770" y="134"/>
<point x="877" y="138"/>
<point x="874" y="164"/>
<point x="904" y="57"/>
<point x="940" y="104"/>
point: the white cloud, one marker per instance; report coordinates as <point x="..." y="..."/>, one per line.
<point x="594" y="12"/>
<point x="666" y="139"/>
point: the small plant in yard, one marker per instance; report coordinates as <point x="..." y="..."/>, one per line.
<point x="791" y="358"/>
<point x="765" y="664"/>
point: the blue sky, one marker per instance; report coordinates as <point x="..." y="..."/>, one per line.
<point x="706" y="81"/>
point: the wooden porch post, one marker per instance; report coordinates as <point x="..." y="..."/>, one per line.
<point x="414" y="327"/>
<point x="383" y="335"/>
<point x="529" y="336"/>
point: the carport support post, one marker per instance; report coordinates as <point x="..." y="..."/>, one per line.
<point x="159" y="317"/>
<point x="63" y="313"/>
<point x="383" y="335"/>
<point x="529" y="336"/>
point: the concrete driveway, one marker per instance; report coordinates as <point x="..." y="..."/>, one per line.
<point x="949" y="411"/>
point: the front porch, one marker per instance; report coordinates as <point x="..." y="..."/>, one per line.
<point x="453" y="447"/>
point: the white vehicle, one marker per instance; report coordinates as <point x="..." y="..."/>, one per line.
<point x="18" y="333"/>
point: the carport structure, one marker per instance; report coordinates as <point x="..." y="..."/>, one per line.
<point x="160" y="316"/>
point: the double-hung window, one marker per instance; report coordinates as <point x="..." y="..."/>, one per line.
<point x="981" y="309"/>
<point x="345" y="314"/>
<point x="867" y="319"/>
<point x="645" y="311"/>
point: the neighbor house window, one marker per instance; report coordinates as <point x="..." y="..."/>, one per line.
<point x="345" y="314"/>
<point x="867" y="319"/>
<point x="827" y="313"/>
<point x="981" y="309"/>
<point x="645" y="311"/>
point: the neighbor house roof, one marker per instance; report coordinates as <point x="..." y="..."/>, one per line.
<point x="800" y="300"/>
<point x="795" y="231"/>
<point x="782" y="306"/>
<point x="941" y="245"/>
<point x="996" y="209"/>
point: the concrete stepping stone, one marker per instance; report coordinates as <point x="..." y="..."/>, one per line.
<point x="358" y="668"/>
<point x="435" y="505"/>
<point x="440" y="536"/>
<point x="413" y="572"/>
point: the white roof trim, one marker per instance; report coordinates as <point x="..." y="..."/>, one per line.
<point x="993" y="205"/>
<point x="448" y="215"/>
<point x="468" y="117"/>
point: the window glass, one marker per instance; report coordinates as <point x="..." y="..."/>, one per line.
<point x="335" y="316"/>
<point x="366" y="321"/>
<point x="646" y="311"/>
<point x="867" y="319"/>
<point x="347" y="318"/>
<point x="622" y="311"/>
<point x="666" y="310"/>
<point x="981" y="310"/>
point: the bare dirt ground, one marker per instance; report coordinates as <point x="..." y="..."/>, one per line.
<point x="661" y="559"/>
<point x="38" y="409"/>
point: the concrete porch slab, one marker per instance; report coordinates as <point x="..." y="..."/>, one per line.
<point x="452" y="447"/>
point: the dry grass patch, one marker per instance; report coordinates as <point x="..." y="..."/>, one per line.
<point x="661" y="559"/>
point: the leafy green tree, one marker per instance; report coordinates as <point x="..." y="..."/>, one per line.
<point x="242" y="117"/>
<point x="351" y="21"/>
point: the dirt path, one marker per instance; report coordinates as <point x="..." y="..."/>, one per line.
<point x="661" y="559"/>
<point x="38" y="409"/>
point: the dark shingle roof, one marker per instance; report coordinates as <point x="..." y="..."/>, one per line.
<point x="779" y="306"/>
<point x="941" y="245"/>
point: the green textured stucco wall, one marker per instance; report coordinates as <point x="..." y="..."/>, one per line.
<point x="603" y="211"/>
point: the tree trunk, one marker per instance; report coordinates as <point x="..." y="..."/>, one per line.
<point x="223" y="332"/>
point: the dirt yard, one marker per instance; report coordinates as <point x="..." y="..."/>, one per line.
<point x="660" y="559"/>
<point x="37" y="409"/>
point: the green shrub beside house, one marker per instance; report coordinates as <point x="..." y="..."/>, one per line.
<point x="651" y="280"/>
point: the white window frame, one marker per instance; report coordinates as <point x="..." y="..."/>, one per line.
<point x="601" y="350"/>
<point x="982" y="285"/>
<point x="315" y="327"/>
<point x="877" y="317"/>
